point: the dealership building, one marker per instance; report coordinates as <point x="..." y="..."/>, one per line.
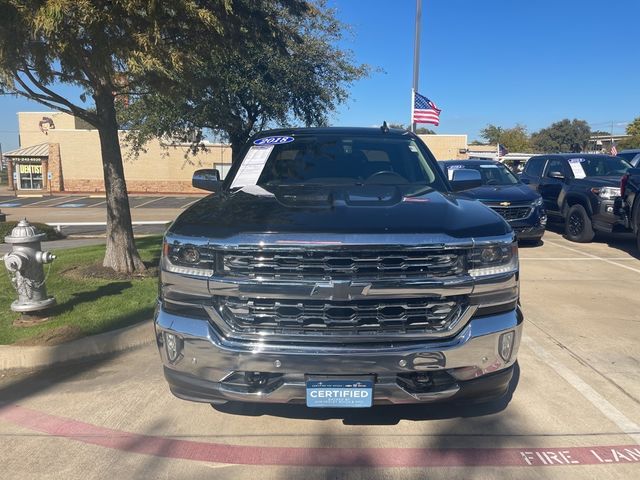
<point x="61" y="153"/>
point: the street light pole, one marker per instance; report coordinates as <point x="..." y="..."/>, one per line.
<point x="416" y="59"/>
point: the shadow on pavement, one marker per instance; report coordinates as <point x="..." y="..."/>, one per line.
<point x="378" y="415"/>
<point x="625" y="242"/>
<point x="21" y="385"/>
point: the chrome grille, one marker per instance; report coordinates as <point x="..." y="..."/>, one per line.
<point x="348" y="264"/>
<point x="295" y="317"/>
<point x="513" y="213"/>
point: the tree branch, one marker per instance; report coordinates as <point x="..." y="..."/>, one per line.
<point x="51" y="97"/>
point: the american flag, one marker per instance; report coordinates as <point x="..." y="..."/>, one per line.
<point x="424" y="110"/>
<point x="614" y="150"/>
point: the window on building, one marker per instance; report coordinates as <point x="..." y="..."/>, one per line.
<point x="30" y="176"/>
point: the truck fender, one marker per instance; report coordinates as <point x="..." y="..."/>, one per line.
<point x="576" y="198"/>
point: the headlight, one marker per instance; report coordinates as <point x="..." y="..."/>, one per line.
<point x="607" y="193"/>
<point x="188" y="259"/>
<point x="493" y="260"/>
<point x="538" y="202"/>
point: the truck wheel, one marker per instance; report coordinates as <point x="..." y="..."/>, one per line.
<point x="577" y="225"/>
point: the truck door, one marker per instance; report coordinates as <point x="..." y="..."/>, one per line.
<point x="551" y="186"/>
<point x="532" y="172"/>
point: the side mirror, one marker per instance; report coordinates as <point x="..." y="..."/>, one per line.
<point x="207" y="179"/>
<point x="465" y="179"/>
<point x="556" y="174"/>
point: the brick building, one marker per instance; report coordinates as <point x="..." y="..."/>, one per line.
<point x="61" y="153"/>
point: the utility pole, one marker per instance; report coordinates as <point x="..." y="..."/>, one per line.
<point x="416" y="60"/>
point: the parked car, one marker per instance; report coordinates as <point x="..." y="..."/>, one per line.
<point x="632" y="156"/>
<point x="335" y="266"/>
<point x="502" y="191"/>
<point x="630" y="201"/>
<point x="579" y="189"/>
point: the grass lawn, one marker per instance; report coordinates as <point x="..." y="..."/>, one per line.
<point x="86" y="305"/>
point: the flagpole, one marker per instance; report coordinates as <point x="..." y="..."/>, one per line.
<point x="416" y="59"/>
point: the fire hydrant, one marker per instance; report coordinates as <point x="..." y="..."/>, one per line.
<point x="24" y="264"/>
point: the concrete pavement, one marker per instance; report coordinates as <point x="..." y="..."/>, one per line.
<point x="575" y="413"/>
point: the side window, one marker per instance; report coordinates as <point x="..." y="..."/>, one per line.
<point x="555" y="165"/>
<point x="534" y="166"/>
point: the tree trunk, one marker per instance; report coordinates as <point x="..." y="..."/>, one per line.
<point x="121" y="254"/>
<point x="236" y="148"/>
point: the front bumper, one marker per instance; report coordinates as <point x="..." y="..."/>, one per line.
<point x="607" y="218"/>
<point x="532" y="227"/>
<point x="211" y="368"/>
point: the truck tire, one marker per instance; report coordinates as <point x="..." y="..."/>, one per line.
<point x="577" y="225"/>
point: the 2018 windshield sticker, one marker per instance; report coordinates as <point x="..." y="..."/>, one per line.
<point x="273" y="140"/>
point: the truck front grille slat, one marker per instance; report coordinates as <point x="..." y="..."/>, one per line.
<point x="318" y="264"/>
<point x="512" y="213"/>
<point x="300" y="317"/>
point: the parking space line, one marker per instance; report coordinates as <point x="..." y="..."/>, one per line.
<point x="150" y="201"/>
<point x="97" y="204"/>
<point x="593" y="256"/>
<point x="625" y="424"/>
<point x="48" y="200"/>
<point x="190" y="203"/>
<point x="73" y="199"/>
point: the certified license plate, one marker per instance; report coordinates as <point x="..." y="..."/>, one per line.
<point x="339" y="393"/>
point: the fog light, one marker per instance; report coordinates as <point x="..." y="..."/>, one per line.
<point x="172" y="346"/>
<point x="505" y="345"/>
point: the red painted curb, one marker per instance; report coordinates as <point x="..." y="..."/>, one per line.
<point x="301" y="456"/>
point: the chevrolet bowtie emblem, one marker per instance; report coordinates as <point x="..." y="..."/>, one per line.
<point x="505" y="204"/>
<point x="340" y="290"/>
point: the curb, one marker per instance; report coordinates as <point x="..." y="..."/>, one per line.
<point x="23" y="358"/>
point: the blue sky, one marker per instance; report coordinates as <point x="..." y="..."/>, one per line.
<point x="491" y="61"/>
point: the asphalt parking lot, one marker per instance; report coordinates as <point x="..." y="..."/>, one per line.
<point x="574" y="412"/>
<point x="87" y="201"/>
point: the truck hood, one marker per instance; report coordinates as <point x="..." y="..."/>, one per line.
<point x="364" y="209"/>
<point x="602" y="181"/>
<point x="518" y="193"/>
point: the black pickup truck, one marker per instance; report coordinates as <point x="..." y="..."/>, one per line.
<point x="630" y="201"/>
<point x="336" y="267"/>
<point x="579" y="189"/>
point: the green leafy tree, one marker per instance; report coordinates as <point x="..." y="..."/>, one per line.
<point x="235" y="93"/>
<point x="515" y="139"/>
<point x="633" y="141"/>
<point x="109" y="49"/>
<point x="491" y="133"/>
<point x="563" y="136"/>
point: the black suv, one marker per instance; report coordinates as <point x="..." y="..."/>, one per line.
<point x="579" y="189"/>
<point x="503" y="192"/>
<point x="632" y="156"/>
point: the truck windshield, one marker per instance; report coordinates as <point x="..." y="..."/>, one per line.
<point x="349" y="160"/>
<point x="599" y="166"/>
<point x="490" y="173"/>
